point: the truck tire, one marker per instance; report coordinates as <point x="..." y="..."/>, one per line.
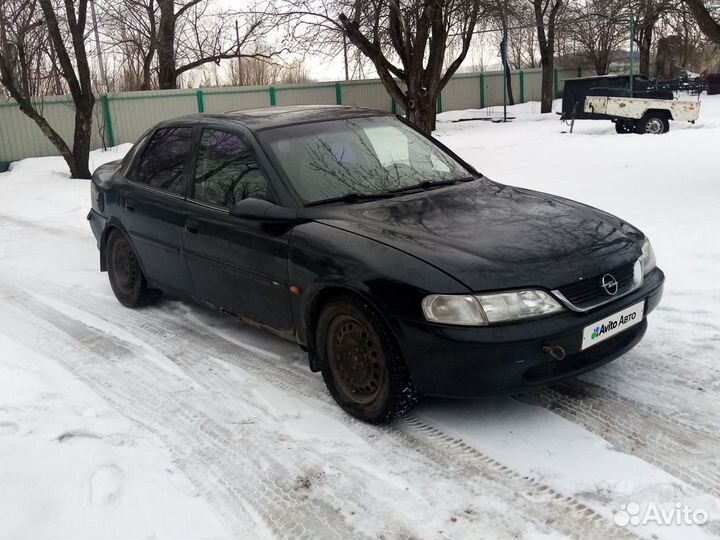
<point x="653" y="123"/>
<point x="623" y="127"/>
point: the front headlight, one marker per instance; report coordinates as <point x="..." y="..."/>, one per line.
<point x="647" y="259"/>
<point x="484" y="309"/>
<point x="453" y="309"/>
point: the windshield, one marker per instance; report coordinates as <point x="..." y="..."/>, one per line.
<point x="327" y="160"/>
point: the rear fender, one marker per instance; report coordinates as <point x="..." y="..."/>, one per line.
<point x="662" y="113"/>
<point x="115" y="223"/>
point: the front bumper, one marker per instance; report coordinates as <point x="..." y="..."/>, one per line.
<point x="455" y="361"/>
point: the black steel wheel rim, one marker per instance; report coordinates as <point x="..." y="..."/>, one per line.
<point x="125" y="266"/>
<point x="355" y="359"/>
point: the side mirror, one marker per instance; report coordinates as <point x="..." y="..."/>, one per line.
<point x="263" y="211"/>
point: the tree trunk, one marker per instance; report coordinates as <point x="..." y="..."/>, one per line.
<point x="546" y="44"/>
<point x="644" y="43"/>
<point x="601" y="63"/>
<point x="644" y="50"/>
<point x="421" y="110"/>
<point x="547" y="84"/>
<point x="166" y="45"/>
<point x="508" y="83"/>
<point x="81" y="139"/>
<point x="147" y="72"/>
<point x="504" y="56"/>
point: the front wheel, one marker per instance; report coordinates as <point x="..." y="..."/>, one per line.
<point x="126" y="276"/>
<point x="361" y="365"/>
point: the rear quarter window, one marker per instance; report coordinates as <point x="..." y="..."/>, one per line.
<point x="130" y="157"/>
<point x="163" y="162"/>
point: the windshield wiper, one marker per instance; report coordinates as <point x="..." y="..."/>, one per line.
<point x="349" y="198"/>
<point x="429" y="184"/>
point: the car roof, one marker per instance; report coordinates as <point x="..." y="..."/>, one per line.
<point x="272" y="117"/>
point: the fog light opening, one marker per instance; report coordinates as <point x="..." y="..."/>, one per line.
<point x="556" y="352"/>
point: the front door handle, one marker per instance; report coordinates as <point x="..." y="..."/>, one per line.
<point x="129" y="205"/>
<point x="192" y="226"/>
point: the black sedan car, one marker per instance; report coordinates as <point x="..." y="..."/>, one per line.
<point x="395" y="264"/>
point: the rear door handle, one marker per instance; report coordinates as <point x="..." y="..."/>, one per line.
<point x="192" y="226"/>
<point x="129" y="205"/>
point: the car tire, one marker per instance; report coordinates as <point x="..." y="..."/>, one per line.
<point x="126" y="276"/>
<point x="653" y="124"/>
<point x="361" y="365"/>
<point x="623" y="127"/>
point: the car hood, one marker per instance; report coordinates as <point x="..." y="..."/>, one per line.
<point x="491" y="236"/>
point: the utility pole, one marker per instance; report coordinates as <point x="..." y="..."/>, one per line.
<point x="347" y="71"/>
<point x="632" y="53"/>
<point x="101" y="64"/>
<point x="503" y="54"/>
<point x="237" y="39"/>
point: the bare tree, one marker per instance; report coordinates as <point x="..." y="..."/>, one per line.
<point x="681" y="44"/>
<point x="191" y="35"/>
<point x="523" y="46"/>
<point x="647" y="15"/>
<point x="24" y="24"/>
<point x="162" y="40"/>
<point x="406" y="41"/>
<point x="600" y="27"/>
<point x="130" y="31"/>
<point x="546" y="18"/>
<point x="707" y="23"/>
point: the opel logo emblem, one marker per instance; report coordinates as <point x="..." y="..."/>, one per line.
<point x="610" y="284"/>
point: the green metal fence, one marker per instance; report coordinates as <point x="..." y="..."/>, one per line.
<point x="123" y="117"/>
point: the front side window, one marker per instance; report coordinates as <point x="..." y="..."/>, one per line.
<point x="163" y="163"/>
<point x="360" y="155"/>
<point x="226" y="171"/>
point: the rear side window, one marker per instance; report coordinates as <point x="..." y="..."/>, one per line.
<point x="226" y="171"/>
<point x="163" y="162"/>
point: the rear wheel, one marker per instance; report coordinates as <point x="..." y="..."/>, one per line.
<point x="653" y="124"/>
<point x="126" y="276"/>
<point x="361" y="365"/>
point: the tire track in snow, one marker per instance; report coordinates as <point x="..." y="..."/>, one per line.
<point x="503" y="525"/>
<point x="226" y="475"/>
<point x="660" y="372"/>
<point x="690" y="454"/>
<point x="500" y="524"/>
<point x="449" y="456"/>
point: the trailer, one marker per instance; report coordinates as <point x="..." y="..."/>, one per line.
<point x="643" y="109"/>
<point x="637" y="115"/>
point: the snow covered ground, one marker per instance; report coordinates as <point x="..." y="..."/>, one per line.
<point x="178" y="422"/>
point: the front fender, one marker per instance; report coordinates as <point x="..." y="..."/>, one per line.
<point x="323" y="257"/>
